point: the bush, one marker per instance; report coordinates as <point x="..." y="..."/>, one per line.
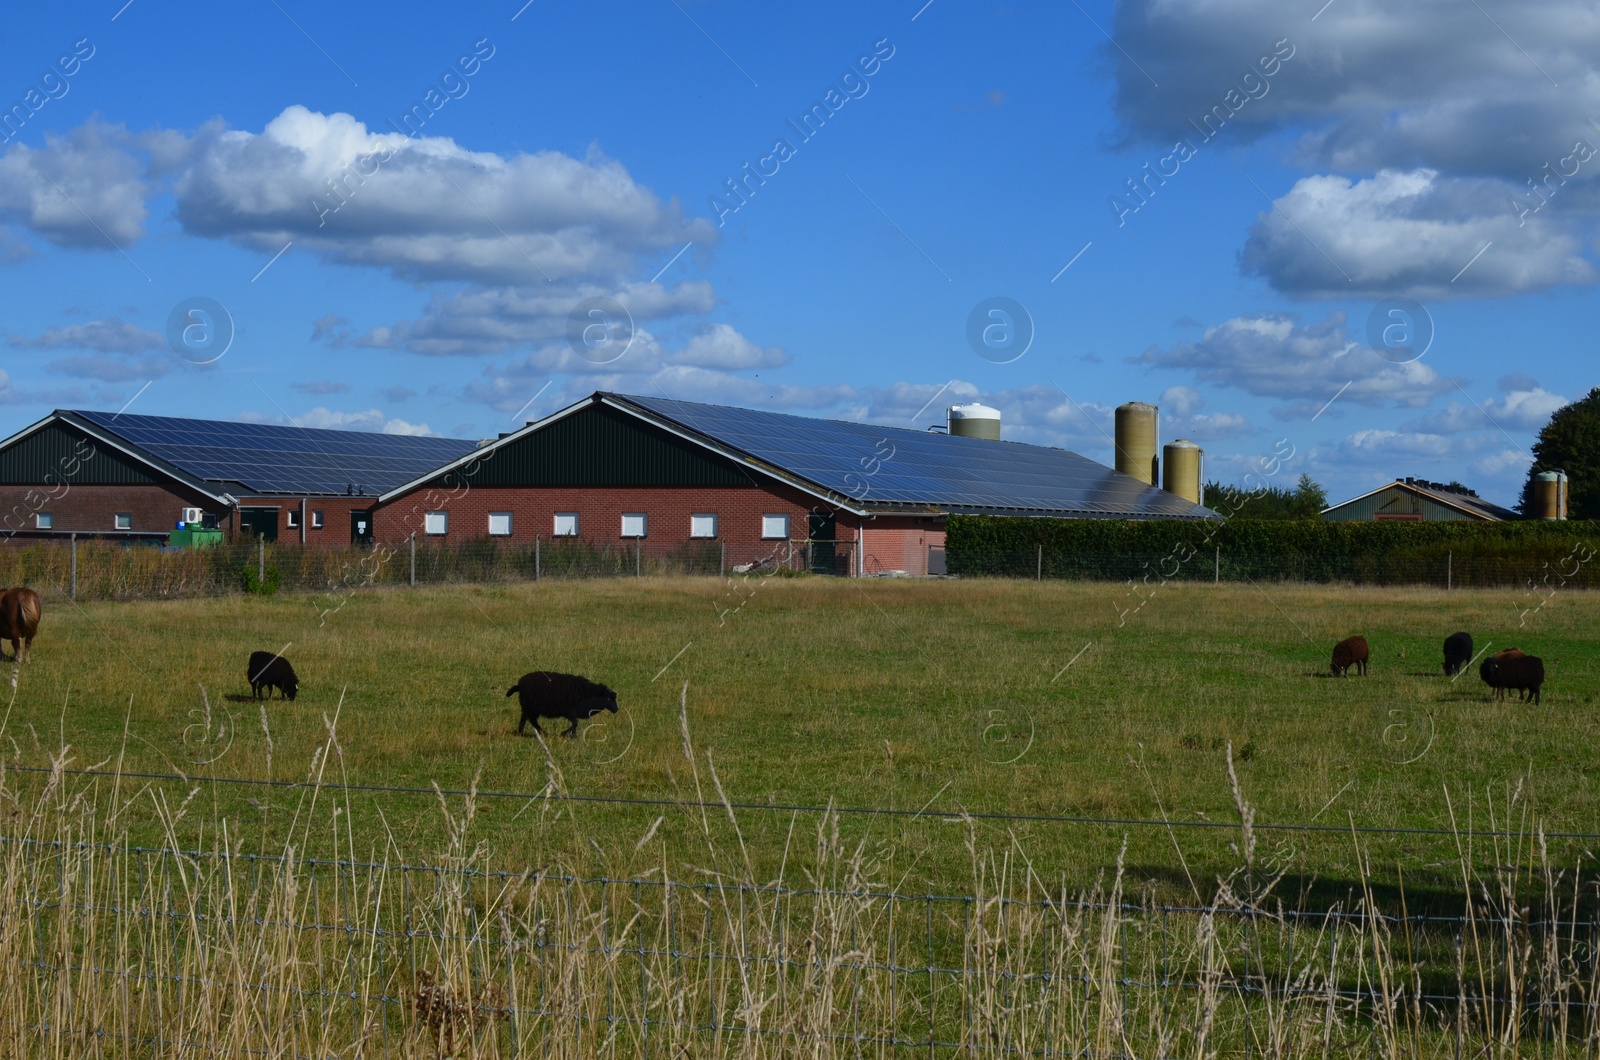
<point x="255" y="583"/>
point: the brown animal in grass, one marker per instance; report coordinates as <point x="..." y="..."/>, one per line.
<point x="1525" y="673"/>
<point x="19" y="620"/>
<point x="1352" y="651"/>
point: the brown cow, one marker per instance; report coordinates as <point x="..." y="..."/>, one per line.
<point x="19" y="620"/>
<point x="1350" y="652"/>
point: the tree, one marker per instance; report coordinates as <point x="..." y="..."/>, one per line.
<point x="1570" y="442"/>
<point x="1305" y="501"/>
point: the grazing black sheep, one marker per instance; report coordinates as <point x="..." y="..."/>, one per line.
<point x="545" y="694"/>
<point x="270" y="670"/>
<point x="1522" y="672"/>
<point x="1457" y="652"/>
<point x="1352" y="651"/>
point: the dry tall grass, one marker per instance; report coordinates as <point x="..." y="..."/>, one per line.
<point x="108" y="949"/>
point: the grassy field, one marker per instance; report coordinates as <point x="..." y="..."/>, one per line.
<point x="987" y="697"/>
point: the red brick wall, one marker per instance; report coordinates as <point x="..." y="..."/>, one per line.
<point x="900" y="543"/>
<point x="335" y="530"/>
<point x="738" y="510"/>
<point x="93" y="509"/>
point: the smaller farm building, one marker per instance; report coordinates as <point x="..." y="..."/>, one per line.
<point x="112" y="475"/>
<point x="1417" y="500"/>
<point x="661" y="476"/>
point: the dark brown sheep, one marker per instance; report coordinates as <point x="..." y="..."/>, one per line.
<point x="270" y="670"/>
<point x="1457" y="652"/>
<point x="19" y="620"/>
<point x="1352" y="651"/>
<point x="545" y="694"/>
<point x="1522" y="672"/>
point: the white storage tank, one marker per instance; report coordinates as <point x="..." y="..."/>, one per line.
<point x="974" y="420"/>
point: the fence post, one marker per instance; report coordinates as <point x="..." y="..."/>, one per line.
<point x="722" y="558"/>
<point x="74" y="589"/>
<point x="1216" y="567"/>
<point x="1038" y="570"/>
<point x="1449" y="558"/>
<point x="537" y="538"/>
<point x="261" y="559"/>
<point x="638" y="547"/>
<point x="413" y="559"/>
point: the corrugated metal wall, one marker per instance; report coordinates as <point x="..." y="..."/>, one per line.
<point x="599" y="446"/>
<point x="64" y="454"/>
<point x="1394" y="501"/>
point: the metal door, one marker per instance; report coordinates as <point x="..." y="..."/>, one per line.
<point x="259" y="522"/>
<point x="821" y="544"/>
<point x="361" y="528"/>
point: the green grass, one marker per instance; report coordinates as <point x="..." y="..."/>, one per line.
<point x="942" y="697"/>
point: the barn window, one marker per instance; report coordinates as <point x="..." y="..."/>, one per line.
<point x="43" y="520"/>
<point x="124" y="521"/>
<point x="436" y="522"/>
<point x="775" y="526"/>
<point x="633" y="524"/>
<point x="566" y="524"/>
<point x="294" y="518"/>
<point x="316" y="519"/>
<point x="703" y="524"/>
<point x="499" y="524"/>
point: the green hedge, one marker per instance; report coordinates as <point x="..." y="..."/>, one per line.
<point x="1301" y="549"/>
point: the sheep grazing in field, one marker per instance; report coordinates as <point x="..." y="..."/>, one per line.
<point x="1457" y="652"/>
<point x="1525" y="673"/>
<point x="1352" y="651"/>
<point x="270" y="670"/>
<point x="19" y="620"/>
<point x="544" y="694"/>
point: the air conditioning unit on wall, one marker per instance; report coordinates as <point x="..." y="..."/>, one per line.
<point x="191" y="515"/>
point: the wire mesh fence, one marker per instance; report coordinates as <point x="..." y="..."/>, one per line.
<point x="125" y="949"/>
<point x="1443" y="570"/>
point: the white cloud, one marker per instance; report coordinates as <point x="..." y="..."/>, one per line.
<point x="1518" y="410"/>
<point x="424" y="208"/>
<point x="720" y="346"/>
<point x="1413" y="233"/>
<point x="82" y="190"/>
<point x="368" y="420"/>
<point x="110" y="369"/>
<point x="321" y="386"/>
<point x="1274" y="356"/>
<point x="107" y="336"/>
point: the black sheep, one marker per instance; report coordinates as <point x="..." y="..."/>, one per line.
<point x="270" y="670"/>
<point x="1457" y="652"/>
<point x="544" y="694"/>
<point x="1522" y="672"/>
<point x="1352" y="651"/>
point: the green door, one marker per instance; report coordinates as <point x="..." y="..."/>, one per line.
<point x="822" y="534"/>
<point x="259" y="522"/>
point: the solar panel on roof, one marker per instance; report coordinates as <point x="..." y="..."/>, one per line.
<point x="269" y="458"/>
<point x="894" y="465"/>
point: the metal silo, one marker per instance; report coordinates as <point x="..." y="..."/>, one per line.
<point x="974" y="420"/>
<point x="1136" y="441"/>
<point x="1550" y="495"/>
<point x="1183" y="467"/>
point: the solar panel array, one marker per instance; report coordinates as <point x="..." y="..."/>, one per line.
<point x="893" y="465"/>
<point x="267" y="458"/>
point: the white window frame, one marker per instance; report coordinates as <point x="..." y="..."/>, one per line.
<point x="294" y="518"/>
<point x="122" y="521"/>
<point x="572" y="528"/>
<point x="643" y="529"/>
<point x="316" y="518"/>
<point x="43" y="520"/>
<point x="694" y="518"/>
<point x="436" y="523"/>
<point x="767" y="528"/>
<point x="509" y="523"/>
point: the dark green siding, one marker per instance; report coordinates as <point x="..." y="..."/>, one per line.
<point x="63" y="453"/>
<point x="1394" y="502"/>
<point x="599" y="446"/>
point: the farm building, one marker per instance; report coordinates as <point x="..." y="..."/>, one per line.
<point x="667" y="477"/>
<point x="107" y="475"/>
<point x="1417" y="500"/>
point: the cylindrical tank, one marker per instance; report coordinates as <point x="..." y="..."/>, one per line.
<point x="1136" y="441"/>
<point x="1183" y="466"/>
<point x="974" y="421"/>
<point x="1550" y="495"/>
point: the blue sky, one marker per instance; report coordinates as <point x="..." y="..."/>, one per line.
<point x="1359" y="157"/>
